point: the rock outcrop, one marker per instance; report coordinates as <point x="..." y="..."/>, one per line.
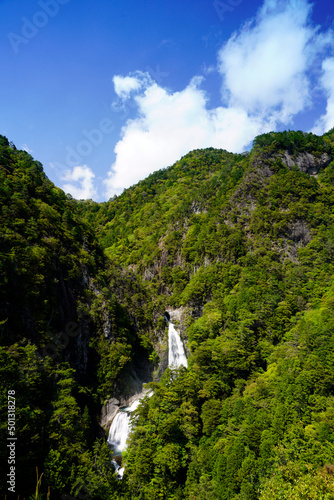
<point x="307" y="162"/>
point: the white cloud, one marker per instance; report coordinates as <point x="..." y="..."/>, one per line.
<point x="124" y="85"/>
<point x="83" y="177"/>
<point x="266" y="70"/>
<point x="326" y="122"/>
<point x="264" y="65"/>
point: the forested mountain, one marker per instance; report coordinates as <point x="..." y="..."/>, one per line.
<point x="241" y="248"/>
<point x="70" y="325"/>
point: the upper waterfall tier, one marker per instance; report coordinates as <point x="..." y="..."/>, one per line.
<point x="176" y="353"/>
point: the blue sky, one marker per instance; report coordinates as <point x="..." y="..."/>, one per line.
<point x="105" y="92"/>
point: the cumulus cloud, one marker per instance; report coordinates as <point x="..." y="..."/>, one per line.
<point x="264" y="65"/>
<point x="124" y="85"/>
<point x="83" y="177"/>
<point x="326" y="121"/>
<point x="265" y="71"/>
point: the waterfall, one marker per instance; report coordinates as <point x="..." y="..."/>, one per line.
<point x="176" y="353"/>
<point x="121" y="426"/>
<point x="119" y="430"/>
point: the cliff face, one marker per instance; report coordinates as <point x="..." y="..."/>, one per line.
<point x="307" y="162"/>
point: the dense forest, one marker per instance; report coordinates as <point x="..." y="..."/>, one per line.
<point x="242" y="247"/>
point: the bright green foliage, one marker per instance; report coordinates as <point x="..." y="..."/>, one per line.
<point x="291" y="482"/>
<point x="244" y="246"/>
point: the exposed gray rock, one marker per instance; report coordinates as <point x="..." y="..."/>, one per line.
<point x="306" y="162"/>
<point x="112" y="406"/>
<point x="109" y="410"/>
<point x="127" y="390"/>
<point x="300" y="233"/>
<point x="176" y="315"/>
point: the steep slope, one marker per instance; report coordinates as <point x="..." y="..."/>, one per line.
<point x="71" y="331"/>
<point x="190" y="230"/>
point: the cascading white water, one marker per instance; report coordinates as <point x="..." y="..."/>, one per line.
<point x="121" y="425"/>
<point x="119" y="430"/>
<point x="176" y="353"/>
<point x="118" y="469"/>
<point x="118" y="434"/>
